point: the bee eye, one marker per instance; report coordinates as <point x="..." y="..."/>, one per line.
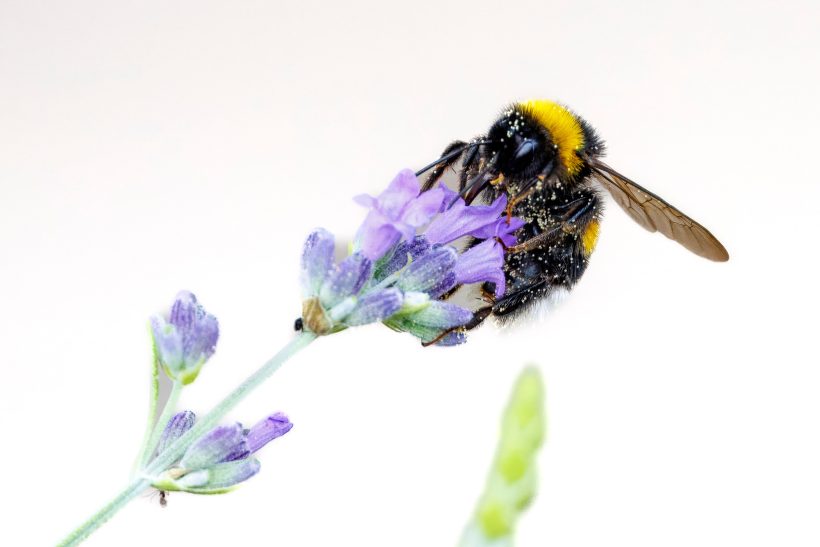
<point x="525" y="149"/>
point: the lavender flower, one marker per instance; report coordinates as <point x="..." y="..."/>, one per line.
<point x="220" y="459"/>
<point x="398" y="276"/>
<point x="396" y="214"/>
<point x="186" y="340"/>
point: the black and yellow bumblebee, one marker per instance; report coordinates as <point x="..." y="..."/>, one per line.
<point x="547" y="160"/>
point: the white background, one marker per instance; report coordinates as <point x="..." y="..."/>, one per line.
<point x="146" y="148"/>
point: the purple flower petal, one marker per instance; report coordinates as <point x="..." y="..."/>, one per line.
<point x="219" y="444"/>
<point x="395" y="215"/>
<point x="347" y="279"/>
<point x="460" y="219"/>
<point x="176" y="427"/>
<point x="500" y="229"/>
<point x="484" y="262"/>
<point x="403" y="188"/>
<point x="268" y="429"/>
<point x="423" y="208"/>
<point x="317" y="260"/>
<point x="428" y="271"/>
<point x="450" y="197"/>
<point x="378" y="233"/>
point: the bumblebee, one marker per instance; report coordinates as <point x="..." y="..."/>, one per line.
<point x="547" y="160"/>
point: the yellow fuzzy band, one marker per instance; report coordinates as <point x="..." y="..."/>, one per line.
<point x="590" y="237"/>
<point x="564" y="128"/>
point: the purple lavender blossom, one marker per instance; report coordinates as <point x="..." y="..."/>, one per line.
<point x="221" y="458"/>
<point x="396" y="275"/>
<point x="462" y="219"/>
<point x="396" y="214"/>
<point x="483" y="262"/>
<point x="501" y="229"/>
<point x="186" y="340"/>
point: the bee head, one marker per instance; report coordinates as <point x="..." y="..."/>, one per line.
<point x="523" y="148"/>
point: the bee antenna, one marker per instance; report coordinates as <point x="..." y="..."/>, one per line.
<point x="451" y="155"/>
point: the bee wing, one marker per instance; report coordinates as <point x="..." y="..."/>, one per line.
<point x="656" y="215"/>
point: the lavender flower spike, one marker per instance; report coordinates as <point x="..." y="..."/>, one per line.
<point x="221" y="458"/>
<point x="398" y="276"/>
<point x="186" y="340"/>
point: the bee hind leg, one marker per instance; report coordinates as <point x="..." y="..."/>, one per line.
<point x="478" y="317"/>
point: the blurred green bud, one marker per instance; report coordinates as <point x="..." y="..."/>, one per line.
<point x="512" y="482"/>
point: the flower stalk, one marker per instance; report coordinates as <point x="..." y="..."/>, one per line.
<point x="413" y="250"/>
<point x="167" y="411"/>
<point x="178" y="447"/>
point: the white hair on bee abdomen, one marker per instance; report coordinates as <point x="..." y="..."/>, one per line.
<point x="539" y="310"/>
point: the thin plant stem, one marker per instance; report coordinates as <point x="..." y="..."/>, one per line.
<point x="153" y="397"/>
<point x="172" y="454"/>
<point x="159" y="427"/>
<point x="85" y="529"/>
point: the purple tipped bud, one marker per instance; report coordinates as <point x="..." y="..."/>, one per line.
<point x="317" y="261"/>
<point x="186" y="340"/>
<point x="177" y="426"/>
<point x="375" y="306"/>
<point x="347" y="279"/>
<point x="429" y="271"/>
<point x="266" y="430"/>
<point x="223" y="443"/>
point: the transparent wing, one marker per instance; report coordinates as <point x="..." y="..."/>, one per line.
<point x="656" y="215"/>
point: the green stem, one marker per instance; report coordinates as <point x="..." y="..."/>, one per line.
<point x="159" y="427"/>
<point x="204" y="424"/>
<point x="133" y="490"/>
<point x="171" y="454"/>
<point x="153" y="396"/>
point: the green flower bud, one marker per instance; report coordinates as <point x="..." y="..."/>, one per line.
<point x="512" y="483"/>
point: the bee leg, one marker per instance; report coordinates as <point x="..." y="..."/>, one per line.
<point x="518" y="198"/>
<point x="468" y="164"/>
<point x="450" y="293"/>
<point x="538" y="241"/>
<point x="478" y="317"/>
<point x="579" y="213"/>
<point x="447" y="159"/>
